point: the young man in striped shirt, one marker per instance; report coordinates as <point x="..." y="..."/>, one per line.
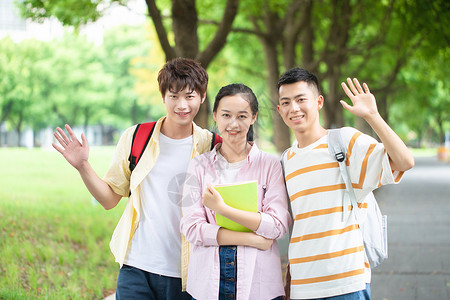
<point x="326" y="251"/>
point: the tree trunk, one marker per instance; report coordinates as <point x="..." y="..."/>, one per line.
<point x="86" y="119"/>
<point x="307" y="40"/>
<point x="202" y="117"/>
<point x="6" y="110"/>
<point x="333" y="117"/>
<point x="19" y="129"/>
<point x="184" y="26"/>
<point x="364" y="127"/>
<point x="440" y="124"/>
<point x="335" y="56"/>
<point x="281" y="133"/>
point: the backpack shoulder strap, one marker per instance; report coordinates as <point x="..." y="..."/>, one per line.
<point x="282" y="163"/>
<point x="336" y="146"/>
<point x="338" y="150"/>
<point x="141" y="137"/>
<point x="216" y="139"/>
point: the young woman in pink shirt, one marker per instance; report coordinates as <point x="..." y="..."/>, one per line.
<point x="227" y="264"/>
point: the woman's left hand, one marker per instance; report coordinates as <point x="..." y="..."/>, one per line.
<point x="212" y="199"/>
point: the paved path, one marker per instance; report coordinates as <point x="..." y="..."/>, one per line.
<point x="418" y="212"/>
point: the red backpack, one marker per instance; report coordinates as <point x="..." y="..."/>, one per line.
<point x="142" y="135"/>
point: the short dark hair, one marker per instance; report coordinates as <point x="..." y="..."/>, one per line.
<point x="180" y="73"/>
<point x="298" y="74"/>
<point x="246" y="93"/>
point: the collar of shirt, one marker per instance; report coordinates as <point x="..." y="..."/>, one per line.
<point x="213" y="156"/>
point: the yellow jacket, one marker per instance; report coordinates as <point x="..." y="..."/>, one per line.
<point x="122" y="181"/>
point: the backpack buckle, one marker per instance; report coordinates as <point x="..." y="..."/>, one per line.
<point x="340" y="156"/>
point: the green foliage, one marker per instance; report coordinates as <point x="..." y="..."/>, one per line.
<point x="124" y="50"/>
<point x="68" y="12"/>
<point x="71" y="80"/>
<point x="77" y="84"/>
<point x="20" y="84"/>
<point x="388" y="44"/>
<point x="55" y="240"/>
<point x="421" y="100"/>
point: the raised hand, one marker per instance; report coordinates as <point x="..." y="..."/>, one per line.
<point x="364" y="103"/>
<point x="74" y="152"/>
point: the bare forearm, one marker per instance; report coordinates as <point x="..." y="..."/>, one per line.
<point x="227" y="238"/>
<point x="400" y="157"/>
<point x="99" y="189"/>
<point x="251" y="220"/>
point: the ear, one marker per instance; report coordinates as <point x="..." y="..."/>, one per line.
<point x="320" y="101"/>
<point x="254" y="118"/>
<point x="203" y="98"/>
<point x="215" y="116"/>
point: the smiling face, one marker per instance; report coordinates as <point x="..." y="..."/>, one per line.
<point x="299" y="105"/>
<point x="234" y="117"/>
<point x="182" y="106"/>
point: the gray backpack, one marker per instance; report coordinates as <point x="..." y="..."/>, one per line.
<point x="374" y="228"/>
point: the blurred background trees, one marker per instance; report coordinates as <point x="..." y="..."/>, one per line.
<point x="400" y="48"/>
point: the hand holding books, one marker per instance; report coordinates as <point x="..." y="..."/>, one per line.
<point x="211" y="199"/>
<point x="235" y="205"/>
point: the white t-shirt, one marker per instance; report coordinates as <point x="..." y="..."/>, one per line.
<point x="156" y="245"/>
<point x="228" y="171"/>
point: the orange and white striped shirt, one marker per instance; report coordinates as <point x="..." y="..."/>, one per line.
<point x="326" y="253"/>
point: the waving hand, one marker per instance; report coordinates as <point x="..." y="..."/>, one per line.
<point x="364" y="102"/>
<point x="74" y="152"/>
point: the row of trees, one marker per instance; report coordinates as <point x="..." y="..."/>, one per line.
<point x="70" y="80"/>
<point x="399" y="47"/>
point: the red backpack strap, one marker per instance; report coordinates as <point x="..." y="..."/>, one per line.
<point x="216" y="139"/>
<point x="141" y="136"/>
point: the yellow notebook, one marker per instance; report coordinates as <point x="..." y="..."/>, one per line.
<point x="243" y="196"/>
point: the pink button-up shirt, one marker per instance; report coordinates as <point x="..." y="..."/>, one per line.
<point x="259" y="273"/>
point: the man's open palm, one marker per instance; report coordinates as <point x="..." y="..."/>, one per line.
<point x="74" y="152"/>
<point x="364" y="102"/>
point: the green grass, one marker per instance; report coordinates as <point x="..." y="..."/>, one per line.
<point x="54" y="238"/>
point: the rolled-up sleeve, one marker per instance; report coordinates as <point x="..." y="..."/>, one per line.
<point x="195" y="223"/>
<point x="118" y="174"/>
<point x="275" y="216"/>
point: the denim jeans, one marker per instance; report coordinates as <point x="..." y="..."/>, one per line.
<point x="359" y="295"/>
<point x="134" y="283"/>
<point x="228" y="273"/>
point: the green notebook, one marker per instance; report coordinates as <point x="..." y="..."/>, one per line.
<point x="243" y="196"/>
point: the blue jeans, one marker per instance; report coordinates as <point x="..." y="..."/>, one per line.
<point x="228" y="271"/>
<point x="359" y="295"/>
<point x="134" y="283"/>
